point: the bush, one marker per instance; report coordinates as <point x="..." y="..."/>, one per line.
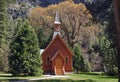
<point x="112" y="73"/>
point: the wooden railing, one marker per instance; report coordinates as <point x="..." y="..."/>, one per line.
<point x="59" y="71"/>
<point x="55" y="70"/>
<point x="63" y="70"/>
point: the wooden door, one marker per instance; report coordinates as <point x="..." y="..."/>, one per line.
<point x="58" y="63"/>
<point x="59" y="66"/>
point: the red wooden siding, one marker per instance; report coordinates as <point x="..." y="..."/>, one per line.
<point x="57" y="45"/>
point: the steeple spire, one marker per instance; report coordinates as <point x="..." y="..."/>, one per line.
<point x="57" y="20"/>
<point x="57" y="28"/>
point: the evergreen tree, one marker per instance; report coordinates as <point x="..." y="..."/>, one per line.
<point x="78" y="60"/>
<point x="3" y="50"/>
<point x="25" y="56"/>
<point x="108" y="54"/>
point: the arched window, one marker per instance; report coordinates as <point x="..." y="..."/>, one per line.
<point x="66" y="60"/>
<point x="48" y="60"/>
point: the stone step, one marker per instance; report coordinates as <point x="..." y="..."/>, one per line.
<point x="59" y="72"/>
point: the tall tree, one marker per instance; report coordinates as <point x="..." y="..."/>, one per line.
<point x="117" y="20"/>
<point x="79" y="63"/>
<point x="3" y="51"/>
<point x="25" y="54"/>
<point x="108" y="55"/>
<point x="102" y="10"/>
<point x="108" y="40"/>
<point x="73" y="18"/>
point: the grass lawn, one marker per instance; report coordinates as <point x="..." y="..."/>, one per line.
<point x="97" y="77"/>
<point x="81" y="77"/>
<point x="8" y="77"/>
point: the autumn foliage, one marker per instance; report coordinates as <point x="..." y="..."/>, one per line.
<point x="75" y="21"/>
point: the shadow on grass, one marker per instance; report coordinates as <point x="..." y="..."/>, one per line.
<point x="47" y="80"/>
<point x="91" y="73"/>
<point x="109" y="77"/>
<point x="10" y="78"/>
<point x="16" y="80"/>
<point x="13" y="80"/>
<point x="57" y="80"/>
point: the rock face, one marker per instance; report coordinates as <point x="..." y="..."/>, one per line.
<point x="99" y="8"/>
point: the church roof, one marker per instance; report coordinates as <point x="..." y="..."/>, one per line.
<point x="61" y="42"/>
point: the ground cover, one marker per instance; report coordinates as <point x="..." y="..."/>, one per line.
<point x="81" y="77"/>
<point x="94" y="76"/>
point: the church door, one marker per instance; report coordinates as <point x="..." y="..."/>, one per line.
<point x="59" y="66"/>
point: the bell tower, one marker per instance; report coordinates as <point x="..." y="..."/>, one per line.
<point x="57" y="27"/>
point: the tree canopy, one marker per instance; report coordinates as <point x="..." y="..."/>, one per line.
<point x="75" y="20"/>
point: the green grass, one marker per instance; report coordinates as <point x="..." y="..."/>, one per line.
<point x="97" y="77"/>
<point x="81" y="77"/>
<point x="9" y="77"/>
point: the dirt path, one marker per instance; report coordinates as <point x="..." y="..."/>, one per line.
<point x="41" y="78"/>
<point x="50" y="77"/>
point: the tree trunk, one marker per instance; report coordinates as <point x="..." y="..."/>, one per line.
<point x="77" y="71"/>
<point x="116" y="4"/>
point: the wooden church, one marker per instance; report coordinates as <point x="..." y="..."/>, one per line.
<point x="57" y="57"/>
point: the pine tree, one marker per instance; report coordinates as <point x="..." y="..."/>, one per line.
<point x="3" y="45"/>
<point x="108" y="55"/>
<point x="25" y="56"/>
<point x="78" y="60"/>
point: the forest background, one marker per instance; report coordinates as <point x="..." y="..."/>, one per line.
<point x="88" y="28"/>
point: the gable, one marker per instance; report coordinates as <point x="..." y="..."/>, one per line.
<point x="56" y="54"/>
<point x="57" y="44"/>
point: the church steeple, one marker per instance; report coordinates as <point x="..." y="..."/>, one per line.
<point x="57" y="20"/>
<point x="57" y="23"/>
